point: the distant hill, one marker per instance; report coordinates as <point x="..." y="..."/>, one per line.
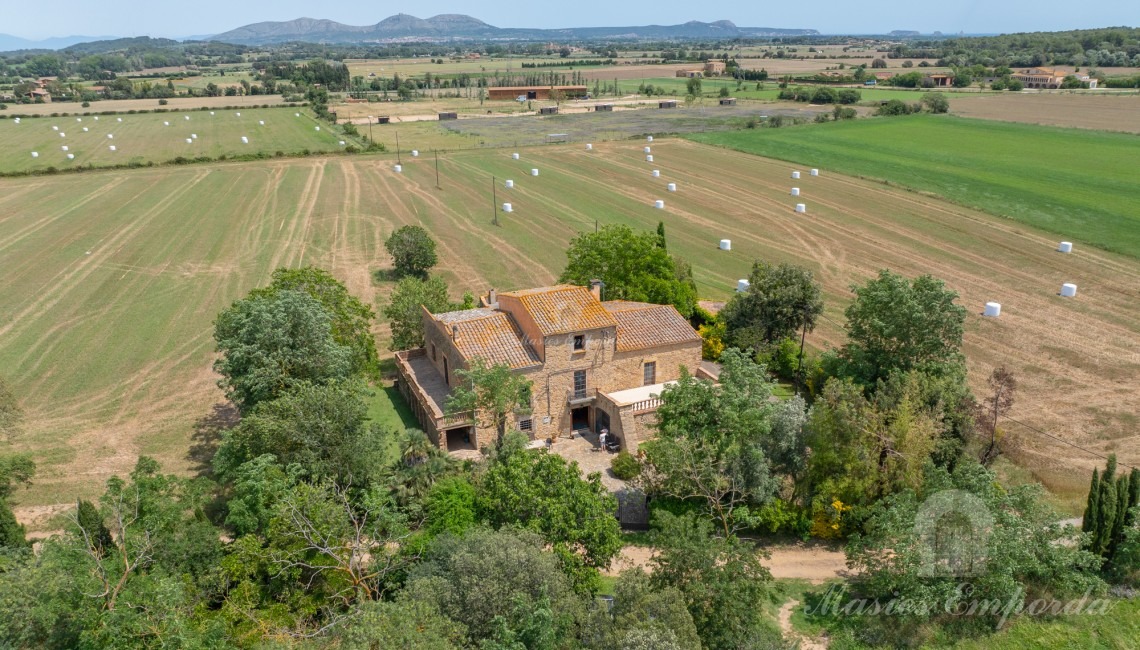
<point x="10" y="43"/>
<point x="461" y="27"/>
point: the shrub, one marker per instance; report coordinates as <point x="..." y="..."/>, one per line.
<point x="625" y="466"/>
<point x="936" y="102"/>
<point x="162" y="102"/>
<point x="86" y="104"/>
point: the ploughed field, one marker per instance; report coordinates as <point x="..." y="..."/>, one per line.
<point x="112" y="279"/>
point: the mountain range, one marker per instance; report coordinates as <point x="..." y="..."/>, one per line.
<point x="9" y="42"/>
<point x="462" y="27"/>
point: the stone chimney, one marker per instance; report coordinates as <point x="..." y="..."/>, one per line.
<point x="454" y="332"/>
<point x="596" y="288"/>
<point x="493" y="298"/>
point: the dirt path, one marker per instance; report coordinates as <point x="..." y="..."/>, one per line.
<point x="785" y="620"/>
<point x="812" y="562"/>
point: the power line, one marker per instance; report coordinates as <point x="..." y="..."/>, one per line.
<point x="1063" y="441"/>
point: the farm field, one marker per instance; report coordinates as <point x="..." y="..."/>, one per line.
<point x="114" y="279"/>
<point x="1077" y="184"/>
<point x="710" y="87"/>
<point x="143" y="138"/>
<point x="1101" y="111"/>
<point x="123" y="105"/>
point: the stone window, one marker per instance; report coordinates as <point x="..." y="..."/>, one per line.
<point x="579" y="342"/>
<point x="649" y="373"/>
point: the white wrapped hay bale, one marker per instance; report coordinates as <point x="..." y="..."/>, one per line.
<point x="726" y="244"/>
<point x="993" y="310"/>
<point x="1069" y="290"/>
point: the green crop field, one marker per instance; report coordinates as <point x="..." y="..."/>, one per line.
<point x="710" y="87"/>
<point x="1078" y="184"/>
<point x="145" y="137"/>
<point x="113" y="278"/>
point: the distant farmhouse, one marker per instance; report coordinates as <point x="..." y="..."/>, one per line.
<point x="593" y="365"/>
<point x="711" y="68"/>
<point x="1047" y="78"/>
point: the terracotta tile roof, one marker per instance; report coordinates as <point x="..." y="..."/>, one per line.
<point x="642" y="325"/>
<point x="562" y="309"/>
<point x="494" y="338"/>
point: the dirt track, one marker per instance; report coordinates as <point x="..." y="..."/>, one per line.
<point x="814" y="563"/>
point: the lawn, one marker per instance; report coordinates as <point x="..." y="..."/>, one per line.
<point x="1079" y="185"/>
<point x="146" y="137"/>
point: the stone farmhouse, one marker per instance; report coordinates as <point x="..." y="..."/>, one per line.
<point x="593" y="365"/>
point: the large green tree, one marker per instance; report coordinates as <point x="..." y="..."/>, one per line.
<point x="863" y="449"/>
<point x="405" y="318"/>
<point x="713" y="443"/>
<point x="320" y="429"/>
<point x="780" y="301"/>
<point x="14" y="470"/>
<point x="499" y="585"/>
<point x="895" y="324"/>
<point x="412" y="250"/>
<point x="722" y="581"/>
<point x="351" y="319"/>
<point x="545" y="493"/>
<point x="633" y="265"/>
<point x="921" y="545"/>
<point x="271" y="344"/>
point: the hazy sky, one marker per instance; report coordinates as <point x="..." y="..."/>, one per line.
<point x="194" y="17"/>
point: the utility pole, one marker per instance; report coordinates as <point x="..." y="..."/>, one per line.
<point x="437" y="171"/>
<point x="494" y="202"/>
<point x="803" y="339"/>
<point x="370" y="140"/>
<point x="398" y="148"/>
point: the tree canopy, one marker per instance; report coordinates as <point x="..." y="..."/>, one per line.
<point x="895" y="325"/>
<point x="633" y="265"/>
<point x="780" y="301"/>
<point x="351" y="319"/>
<point x="273" y="343"/>
<point x="403" y="309"/>
<point x="412" y="250"/>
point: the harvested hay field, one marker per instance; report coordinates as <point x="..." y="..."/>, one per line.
<point x="147" y="138"/>
<point x="1104" y="112"/>
<point x="115" y="278"/>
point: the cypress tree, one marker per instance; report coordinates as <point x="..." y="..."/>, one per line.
<point x="661" y="234"/>
<point x="1108" y="506"/>
<point x="12" y="533"/>
<point x="1117" y="534"/>
<point x="1133" y="495"/>
<point x="89" y="519"/>
<point x="1092" y="507"/>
